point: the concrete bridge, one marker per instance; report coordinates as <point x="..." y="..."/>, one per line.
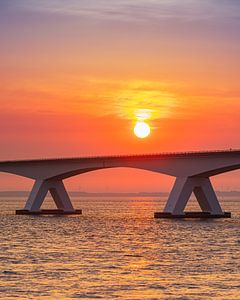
<point x="191" y="169"/>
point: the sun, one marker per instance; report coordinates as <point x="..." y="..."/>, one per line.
<point x="142" y="130"/>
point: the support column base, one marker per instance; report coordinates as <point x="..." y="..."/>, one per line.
<point x="48" y="212"/>
<point x="204" y="215"/>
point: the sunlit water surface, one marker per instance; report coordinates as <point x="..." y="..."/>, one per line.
<point x="116" y="250"/>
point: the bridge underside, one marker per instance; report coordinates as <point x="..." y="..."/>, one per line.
<point x="175" y="206"/>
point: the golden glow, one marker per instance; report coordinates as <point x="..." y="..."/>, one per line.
<point x="142" y="130"/>
<point x="143" y="100"/>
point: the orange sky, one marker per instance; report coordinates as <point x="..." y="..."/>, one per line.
<point x="75" y="74"/>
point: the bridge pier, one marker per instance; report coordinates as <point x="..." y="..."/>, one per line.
<point x="59" y="195"/>
<point x="180" y="194"/>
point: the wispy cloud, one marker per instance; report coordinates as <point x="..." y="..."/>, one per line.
<point x="133" y="9"/>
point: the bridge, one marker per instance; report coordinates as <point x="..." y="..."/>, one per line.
<point x="191" y="169"/>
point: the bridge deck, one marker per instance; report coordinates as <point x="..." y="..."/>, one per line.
<point x="138" y="156"/>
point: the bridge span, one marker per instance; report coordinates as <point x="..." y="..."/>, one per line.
<point x="191" y="169"/>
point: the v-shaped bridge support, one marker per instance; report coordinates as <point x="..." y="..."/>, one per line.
<point x="203" y="190"/>
<point x="59" y="195"/>
<point x="177" y="201"/>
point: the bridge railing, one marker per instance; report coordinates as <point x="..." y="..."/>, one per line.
<point x="133" y="156"/>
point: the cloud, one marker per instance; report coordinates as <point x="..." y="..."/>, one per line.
<point x="127" y="10"/>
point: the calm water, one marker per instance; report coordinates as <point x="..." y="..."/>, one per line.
<point x="116" y="250"/>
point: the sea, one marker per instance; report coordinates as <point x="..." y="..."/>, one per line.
<point x="117" y="250"/>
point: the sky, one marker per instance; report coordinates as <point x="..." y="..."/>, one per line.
<point x="76" y="75"/>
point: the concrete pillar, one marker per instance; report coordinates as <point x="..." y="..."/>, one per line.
<point x="57" y="190"/>
<point x="182" y="190"/>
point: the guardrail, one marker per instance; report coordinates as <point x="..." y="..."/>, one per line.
<point x="133" y="156"/>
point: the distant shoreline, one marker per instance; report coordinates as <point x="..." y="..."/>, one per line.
<point x="113" y="194"/>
